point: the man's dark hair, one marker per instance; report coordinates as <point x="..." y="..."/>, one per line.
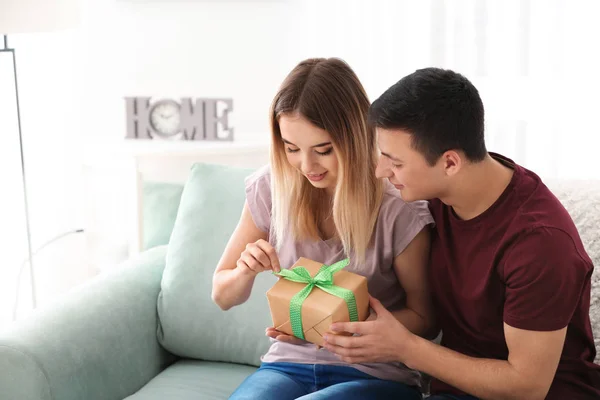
<point x="439" y="108"/>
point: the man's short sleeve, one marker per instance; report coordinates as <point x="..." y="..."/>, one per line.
<point x="544" y="275"/>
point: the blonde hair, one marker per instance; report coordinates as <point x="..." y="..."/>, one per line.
<point x="328" y="94"/>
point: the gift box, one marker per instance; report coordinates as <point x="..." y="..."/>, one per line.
<point x="310" y="296"/>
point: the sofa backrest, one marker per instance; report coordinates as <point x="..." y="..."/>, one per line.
<point x="191" y="325"/>
<point x="582" y="201"/>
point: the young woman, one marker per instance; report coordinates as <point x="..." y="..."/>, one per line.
<point x="319" y="198"/>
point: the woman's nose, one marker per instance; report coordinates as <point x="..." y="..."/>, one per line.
<point x="307" y="163"/>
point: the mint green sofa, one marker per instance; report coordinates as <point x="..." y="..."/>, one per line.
<point x="150" y="331"/>
<point x="100" y="343"/>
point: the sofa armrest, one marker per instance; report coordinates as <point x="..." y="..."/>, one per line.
<point x="99" y="342"/>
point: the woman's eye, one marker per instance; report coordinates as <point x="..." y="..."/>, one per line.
<point x="326" y="152"/>
<point x="290" y="150"/>
<point x="397" y="166"/>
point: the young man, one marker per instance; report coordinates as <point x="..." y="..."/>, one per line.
<point x="509" y="274"/>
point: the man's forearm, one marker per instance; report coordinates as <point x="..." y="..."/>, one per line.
<point x="480" y="377"/>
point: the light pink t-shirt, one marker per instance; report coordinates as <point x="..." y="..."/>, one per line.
<point x="398" y="223"/>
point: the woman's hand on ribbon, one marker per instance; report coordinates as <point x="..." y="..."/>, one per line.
<point x="258" y="257"/>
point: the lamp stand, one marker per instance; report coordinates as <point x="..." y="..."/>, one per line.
<point x="31" y="269"/>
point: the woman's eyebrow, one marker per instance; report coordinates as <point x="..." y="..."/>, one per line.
<point x="316" y="145"/>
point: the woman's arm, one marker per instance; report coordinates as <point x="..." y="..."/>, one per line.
<point x="411" y="267"/>
<point x="247" y="253"/>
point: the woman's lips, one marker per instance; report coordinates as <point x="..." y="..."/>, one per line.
<point x="316" y="178"/>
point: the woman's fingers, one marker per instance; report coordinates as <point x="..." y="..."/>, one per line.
<point x="259" y="255"/>
<point x="270" y="252"/>
<point x="251" y="262"/>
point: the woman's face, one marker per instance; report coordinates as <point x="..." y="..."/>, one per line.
<point x="310" y="150"/>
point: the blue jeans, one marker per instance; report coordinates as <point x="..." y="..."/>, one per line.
<point x="451" y="397"/>
<point x="283" y="381"/>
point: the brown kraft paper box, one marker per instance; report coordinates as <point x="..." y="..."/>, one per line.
<point x="320" y="309"/>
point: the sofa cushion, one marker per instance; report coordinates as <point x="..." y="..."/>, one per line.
<point x="193" y="380"/>
<point x="160" y="203"/>
<point x="582" y="201"/>
<point x="191" y="325"/>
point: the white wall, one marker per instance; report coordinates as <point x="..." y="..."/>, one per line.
<point x="172" y="49"/>
<point x="223" y="49"/>
<point x="72" y="86"/>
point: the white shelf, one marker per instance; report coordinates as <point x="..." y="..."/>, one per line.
<point x="103" y="152"/>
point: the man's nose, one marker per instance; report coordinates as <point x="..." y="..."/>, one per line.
<point x="383" y="169"/>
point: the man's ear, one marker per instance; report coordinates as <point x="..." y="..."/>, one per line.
<point x="452" y="162"/>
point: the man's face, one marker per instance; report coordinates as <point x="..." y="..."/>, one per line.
<point x="406" y="168"/>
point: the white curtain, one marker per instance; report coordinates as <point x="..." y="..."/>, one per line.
<point x="534" y="62"/>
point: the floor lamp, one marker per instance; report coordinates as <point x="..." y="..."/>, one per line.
<point x="30" y="16"/>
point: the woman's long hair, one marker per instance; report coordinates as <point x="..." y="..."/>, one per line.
<point x="330" y="96"/>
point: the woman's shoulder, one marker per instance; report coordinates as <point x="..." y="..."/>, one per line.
<point x="258" y="197"/>
<point x="261" y="178"/>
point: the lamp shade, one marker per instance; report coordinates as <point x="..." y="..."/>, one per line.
<point x="23" y="16"/>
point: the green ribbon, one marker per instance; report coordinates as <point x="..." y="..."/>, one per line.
<point x="324" y="281"/>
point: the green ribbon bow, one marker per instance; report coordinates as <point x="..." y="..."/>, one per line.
<point x="324" y="281"/>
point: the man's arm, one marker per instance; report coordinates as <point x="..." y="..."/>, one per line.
<point x="527" y="374"/>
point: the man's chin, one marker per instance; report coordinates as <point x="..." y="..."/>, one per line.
<point x="408" y="196"/>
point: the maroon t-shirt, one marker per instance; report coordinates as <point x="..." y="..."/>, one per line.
<point x="521" y="262"/>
